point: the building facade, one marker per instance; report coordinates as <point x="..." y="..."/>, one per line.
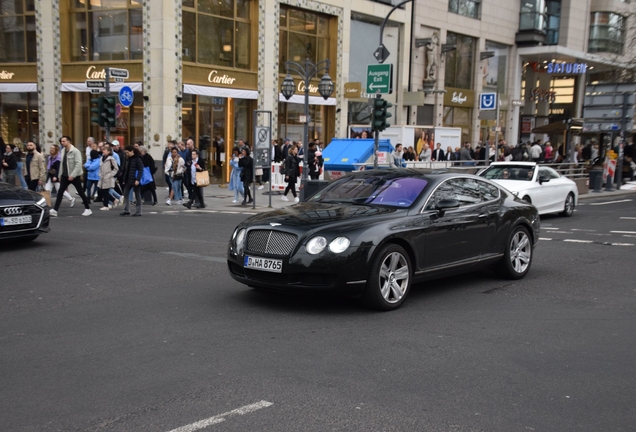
<point x="199" y="68"/>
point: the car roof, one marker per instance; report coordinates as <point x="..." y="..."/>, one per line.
<point x="434" y="175"/>
<point x="532" y="164"/>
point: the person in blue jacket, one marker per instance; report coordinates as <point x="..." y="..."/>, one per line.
<point x="92" y="175"/>
<point x="236" y="184"/>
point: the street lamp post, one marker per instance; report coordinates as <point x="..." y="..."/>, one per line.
<point x="307" y="72"/>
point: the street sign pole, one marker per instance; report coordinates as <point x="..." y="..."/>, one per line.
<point x="107" y="88"/>
<point x="376" y="141"/>
<point x="621" y="146"/>
<point x="496" y="135"/>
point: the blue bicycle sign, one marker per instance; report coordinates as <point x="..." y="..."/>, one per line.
<point x="126" y="96"/>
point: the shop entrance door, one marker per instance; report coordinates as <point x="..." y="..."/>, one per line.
<point x="212" y="131"/>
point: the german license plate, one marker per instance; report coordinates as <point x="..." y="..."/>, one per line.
<point x="265" y="264"/>
<point x="17" y="220"/>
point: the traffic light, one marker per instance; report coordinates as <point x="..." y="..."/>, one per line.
<point x="108" y="112"/>
<point x="97" y="106"/>
<point x="380" y="114"/>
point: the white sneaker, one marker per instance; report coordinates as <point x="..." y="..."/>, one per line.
<point x="53" y="213"/>
<point x="116" y="202"/>
<point x="87" y="212"/>
<point x="260" y="187"/>
<point x="296" y="199"/>
<point x="284" y="198"/>
<point x="168" y="189"/>
<point x="234" y="201"/>
<point x="168" y="202"/>
<point x="110" y="206"/>
<point x="104" y="208"/>
<point x="72" y="202"/>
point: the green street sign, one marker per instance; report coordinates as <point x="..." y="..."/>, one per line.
<point x="380" y="78"/>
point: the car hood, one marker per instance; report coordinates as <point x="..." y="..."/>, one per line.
<point x="314" y="215"/>
<point x="10" y="195"/>
<point x="514" y="185"/>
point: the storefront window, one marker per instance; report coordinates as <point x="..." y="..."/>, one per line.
<point x="553" y="22"/>
<point x="459" y="62"/>
<point x="217" y="32"/>
<point x="19" y="116"/>
<point x="303" y="34"/>
<point x="459" y="118"/>
<point x="532" y="16"/>
<point x="495" y="68"/>
<point x="607" y="33"/>
<point x="106" y="30"/>
<point x="17" y="31"/>
<point x="290" y="125"/>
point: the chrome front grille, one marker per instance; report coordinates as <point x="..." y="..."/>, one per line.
<point x="271" y="242"/>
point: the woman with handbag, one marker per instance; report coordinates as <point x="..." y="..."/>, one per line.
<point x="148" y="180"/>
<point x="108" y="168"/>
<point x="198" y="166"/>
<point x="52" y="170"/>
<point x="292" y="171"/>
<point x="247" y="165"/>
<point x="175" y="167"/>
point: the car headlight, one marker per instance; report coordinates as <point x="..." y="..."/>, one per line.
<point x="240" y="237"/>
<point x="41" y="202"/>
<point x="316" y="245"/>
<point x="339" y="245"/>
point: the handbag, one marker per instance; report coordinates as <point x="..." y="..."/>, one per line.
<point x="146" y="177"/>
<point x="202" y="178"/>
<point x="45" y="194"/>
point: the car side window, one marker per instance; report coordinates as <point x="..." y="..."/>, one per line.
<point x="468" y="192"/>
<point x="443" y="191"/>
<point x="488" y="192"/>
<point x="549" y="172"/>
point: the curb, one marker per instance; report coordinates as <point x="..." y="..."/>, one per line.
<point x="614" y="194"/>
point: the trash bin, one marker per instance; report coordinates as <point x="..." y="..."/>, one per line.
<point x="313" y="186"/>
<point x="596" y="177"/>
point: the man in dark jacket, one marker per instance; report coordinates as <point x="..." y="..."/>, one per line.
<point x="132" y="178"/>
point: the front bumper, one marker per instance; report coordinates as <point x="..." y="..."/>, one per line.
<point x="39" y="224"/>
<point x="345" y="273"/>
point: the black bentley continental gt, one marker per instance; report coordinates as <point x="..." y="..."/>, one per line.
<point x="24" y="215"/>
<point x="373" y="234"/>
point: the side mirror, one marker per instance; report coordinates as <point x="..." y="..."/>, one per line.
<point x="444" y="205"/>
<point x="543" y="179"/>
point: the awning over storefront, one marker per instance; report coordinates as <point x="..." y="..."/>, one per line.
<point x="313" y="100"/>
<point x="556" y="127"/>
<point x="18" y="88"/>
<point x="114" y="87"/>
<point x="219" y="92"/>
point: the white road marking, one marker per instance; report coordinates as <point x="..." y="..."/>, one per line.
<point x="171" y="212"/>
<point x="622" y="244"/>
<point x="628" y="218"/>
<point x="546" y="239"/>
<point x="248" y="213"/>
<point x="623" y="232"/>
<point x="610" y="202"/>
<point x="548" y="228"/>
<point x="630" y="236"/>
<point x="578" y="241"/>
<point x="221" y="417"/>
<point x="582" y="230"/>
<point x="195" y="256"/>
<point x="229" y="212"/>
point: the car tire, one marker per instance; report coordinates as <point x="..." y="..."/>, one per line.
<point x="568" y="206"/>
<point x="389" y="280"/>
<point x="518" y="254"/>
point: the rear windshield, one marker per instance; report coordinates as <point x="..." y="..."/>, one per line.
<point x="509" y="172"/>
<point x="392" y="192"/>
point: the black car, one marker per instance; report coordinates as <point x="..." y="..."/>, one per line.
<point x="24" y="214"/>
<point x="372" y="234"/>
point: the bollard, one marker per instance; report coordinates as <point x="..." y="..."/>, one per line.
<point x="596" y="180"/>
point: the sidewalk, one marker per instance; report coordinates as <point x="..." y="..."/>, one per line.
<point x="628" y="190"/>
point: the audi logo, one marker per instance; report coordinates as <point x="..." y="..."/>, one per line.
<point x="13" y="211"/>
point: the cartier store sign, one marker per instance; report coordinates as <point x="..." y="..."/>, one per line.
<point x="80" y="72"/>
<point x="300" y="86"/>
<point x="215" y="77"/>
<point x="18" y="74"/>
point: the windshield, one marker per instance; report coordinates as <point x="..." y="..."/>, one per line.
<point x="392" y="192"/>
<point x="509" y="172"/>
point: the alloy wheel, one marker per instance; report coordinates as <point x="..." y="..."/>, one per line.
<point x="520" y="252"/>
<point x="394" y="277"/>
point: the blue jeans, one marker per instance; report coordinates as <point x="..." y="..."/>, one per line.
<point x="114" y="194"/>
<point x="176" y="187"/>
<point x="18" y="174"/>
<point x="91" y="188"/>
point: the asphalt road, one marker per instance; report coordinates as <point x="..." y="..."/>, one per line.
<point x="124" y="324"/>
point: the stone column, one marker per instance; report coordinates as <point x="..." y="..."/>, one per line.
<point x="268" y="54"/>
<point x="47" y="17"/>
<point x="162" y="76"/>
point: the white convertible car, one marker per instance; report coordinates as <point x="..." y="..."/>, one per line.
<point x="540" y="185"/>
